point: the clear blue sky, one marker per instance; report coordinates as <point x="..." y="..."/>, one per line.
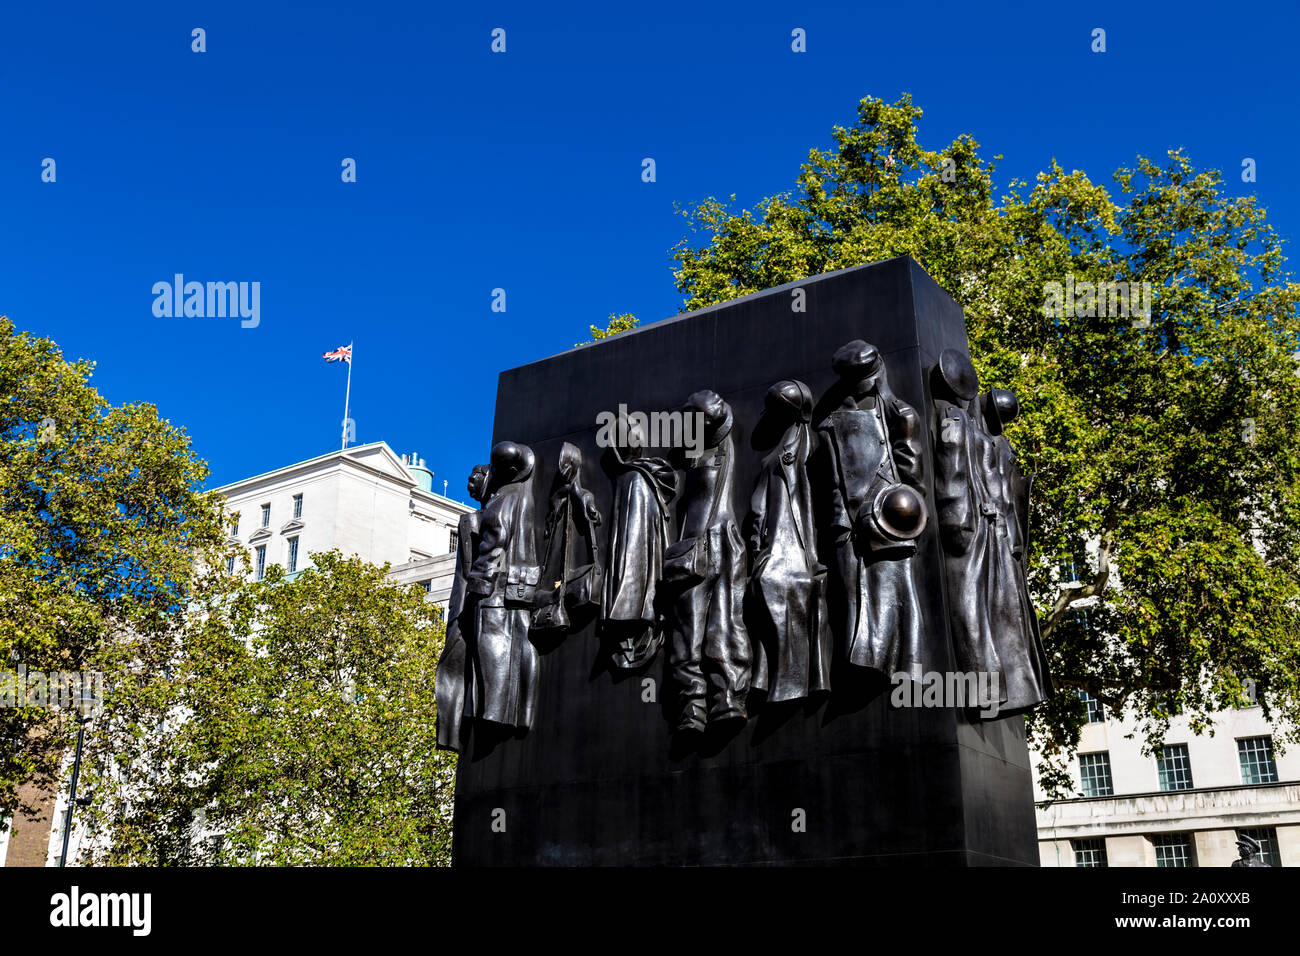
<point x="521" y="171"/>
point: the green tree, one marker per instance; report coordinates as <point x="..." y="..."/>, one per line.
<point x="1166" y="452"/>
<point x="101" y="522"/>
<point x="290" y="721"/>
<point x="617" y="323"/>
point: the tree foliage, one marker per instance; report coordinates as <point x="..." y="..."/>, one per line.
<point x="289" y="721"/>
<point x="617" y="323"/>
<point x="1165" y="451"/>
<point x="101" y="522"/>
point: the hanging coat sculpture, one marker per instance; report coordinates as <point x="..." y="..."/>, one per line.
<point x="993" y="624"/>
<point x="792" y="638"/>
<point x="571" y="572"/>
<point x="978" y="585"/>
<point x="638" y="534"/>
<point x="453" y="678"/>
<point x="504" y="578"/>
<point x="710" y="653"/>
<point x="1025" y="677"/>
<point x="872" y="443"/>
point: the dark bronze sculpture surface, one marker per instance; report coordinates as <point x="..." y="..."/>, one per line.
<point x="787" y="584"/>
<point x="452" y="679"/>
<point x="638" y="534"/>
<point x="605" y="778"/>
<point x="504" y="579"/>
<point x="710" y="654"/>
<point x="982" y="499"/>
<point x="1248" y="852"/>
<point x="572" y="573"/>
<point x="876" y="510"/>
<point x="1025" y="677"/>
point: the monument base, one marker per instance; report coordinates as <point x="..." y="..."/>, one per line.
<point x="600" y="779"/>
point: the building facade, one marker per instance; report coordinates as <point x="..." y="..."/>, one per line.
<point x="365" y="501"/>
<point x="1185" y="806"/>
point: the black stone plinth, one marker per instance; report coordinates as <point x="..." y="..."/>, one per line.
<point x="597" y="780"/>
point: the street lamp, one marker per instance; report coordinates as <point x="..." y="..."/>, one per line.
<point x="86" y="705"/>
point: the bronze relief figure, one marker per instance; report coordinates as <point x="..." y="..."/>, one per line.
<point x="504" y="579"/>
<point x="453" y="679"/>
<point x="1025" y="677"/>
<point x="638" y="534"/>
<point x="871" y="445"/>
<point x="572" y="573"/>
<point x="982" y="509"/>
<point x="710" y="654"/>
<point x="787" y="583"/>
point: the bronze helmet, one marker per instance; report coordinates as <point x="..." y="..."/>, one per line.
<point x="958" y="374"/>
<point x="1001" y="408"/>
<point x="788" y="396"/>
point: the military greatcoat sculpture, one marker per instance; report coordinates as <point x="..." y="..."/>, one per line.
<point x="571" y="572"/>
<point x="787" y="583"/>
<point x="503" y="580"/>
<point x="453" y="679"/>
<point x="710" y="652"/>
<point x="874" y="467"/>
<point x="982" y="502"/>
<point x="644" y="485"/>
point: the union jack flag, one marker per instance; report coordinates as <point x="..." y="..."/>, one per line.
<point x="341" y="354"/>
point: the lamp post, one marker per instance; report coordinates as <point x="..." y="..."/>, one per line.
<point x="85" y="707"/>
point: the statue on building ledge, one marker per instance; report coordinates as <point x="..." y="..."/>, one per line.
<point x="1248" y="848"/>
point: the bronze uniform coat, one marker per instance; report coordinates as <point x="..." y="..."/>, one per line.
<point x="710" y="650"/>
<point x="638" y="534"/>
<point x="792" y="639"/>
<point x="451" y="680"/>
<point x="1027" y="680"/>
<point x="881" y="610"/>
<point x="504" y="660"/>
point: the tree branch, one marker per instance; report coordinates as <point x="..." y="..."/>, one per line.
<point x="1069" y="596"/>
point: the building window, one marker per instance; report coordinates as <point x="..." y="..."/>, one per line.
<point x="454" y="542"/>
<point x="1069" y="569"/>
<point x="230" y="564"/>
<point x="1267" y="839"/>
<point x="1256" y="756"/>
<point x="427" y="584"/>
<point x="292" y="564"/>
<point x="266" y="515"/>
<point x="261" y="561"/>
<point x="1094" y="774"/>
<point x="1174" y="768"/>
<point x="234" y="526"/>
<point x="1089" y="852"/>
<point x="297" y="506"/>
<point x="1096" y="713"/>
<point x="1173" y="849"/>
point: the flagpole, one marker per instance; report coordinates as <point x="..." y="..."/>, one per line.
<point x="347" y="397"/>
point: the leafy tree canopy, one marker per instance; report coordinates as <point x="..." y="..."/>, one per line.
<point x="101" y="522"/>
<point x="290" y="721"/>
<point x="1165" y="446"/>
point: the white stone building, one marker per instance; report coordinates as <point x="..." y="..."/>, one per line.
<point x="1184" y="807"/>
<point x="365" y="501"/>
